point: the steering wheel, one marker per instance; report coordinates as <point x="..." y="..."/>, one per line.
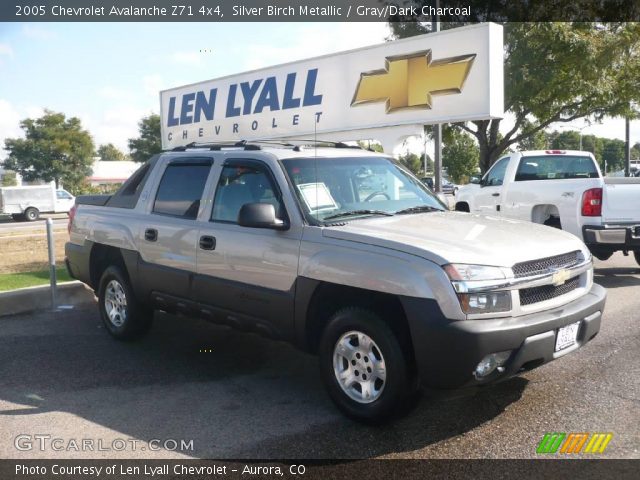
<point x="375" y="194"/>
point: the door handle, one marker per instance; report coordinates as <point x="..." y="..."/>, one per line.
<point x="207" y="242"/>
<point x="151" y="234"/>
<point x="495" y="194"/>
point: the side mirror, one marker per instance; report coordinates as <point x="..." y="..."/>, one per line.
<point x="475" y="180"/>
<point x="260" y="215"/>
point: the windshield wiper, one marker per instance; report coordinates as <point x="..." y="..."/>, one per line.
<point x="419" y="209"/>
<point x="352" y="213"/>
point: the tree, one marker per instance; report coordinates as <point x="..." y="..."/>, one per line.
<point x="110" y="153"/>
<point x="54" y="149"/>
<point x="412" y="162"/>
<point x="558" y="72"/>
<point x="460" y="155"/>
<point x="9" y="179"/>
<point x="149" y="142"/>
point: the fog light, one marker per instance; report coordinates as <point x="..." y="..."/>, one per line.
<point x="490" y="363"/>
<point x="485" y="302"/>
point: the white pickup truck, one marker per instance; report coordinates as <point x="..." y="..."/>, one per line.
<point x="563" y="189"/>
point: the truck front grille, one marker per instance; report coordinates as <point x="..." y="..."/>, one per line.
<point x="533" y="295"/>
<point x="546" y="265"/>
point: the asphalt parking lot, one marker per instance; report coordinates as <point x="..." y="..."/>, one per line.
<point x="242" y="396"/>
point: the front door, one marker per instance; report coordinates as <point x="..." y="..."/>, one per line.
<point x="488" y="197"/>
<point x="248" y="271"/>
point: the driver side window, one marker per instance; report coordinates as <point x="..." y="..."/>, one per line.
<point x="495" y="176"/>
<point x="243" y="184"/>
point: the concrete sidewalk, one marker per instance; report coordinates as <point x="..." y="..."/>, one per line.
<point x="33" y="299"/>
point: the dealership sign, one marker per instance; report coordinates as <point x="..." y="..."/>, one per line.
<point x="451" y="76"/>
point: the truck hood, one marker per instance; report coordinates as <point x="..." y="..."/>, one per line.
<point x="456" y="237"/>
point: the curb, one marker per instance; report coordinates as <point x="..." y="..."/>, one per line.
<point x="31" y="299"/>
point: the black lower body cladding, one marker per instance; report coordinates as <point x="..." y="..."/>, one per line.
<point x="447" y="351"/>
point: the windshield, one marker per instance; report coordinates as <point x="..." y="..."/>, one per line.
<point x="329" y="188"/>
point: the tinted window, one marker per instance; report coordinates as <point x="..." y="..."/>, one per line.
<point x="495" y="176"/>
<point x="243" y="184"/>
<point x="181" y="189"/>
<point x="555" y="167"/>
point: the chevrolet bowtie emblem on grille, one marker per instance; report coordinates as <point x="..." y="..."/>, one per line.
<point x="410" y="81"/>
<point x="560" y="277"/>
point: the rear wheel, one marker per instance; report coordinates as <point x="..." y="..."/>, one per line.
<point x="637" y="255"/>
<point x="31" y="214"/>
<point x="123" y="316"/>
<point x="364" y="367"/>
<point x="17" y="218"/>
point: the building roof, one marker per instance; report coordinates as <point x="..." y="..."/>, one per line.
<point x="116" y="171"/>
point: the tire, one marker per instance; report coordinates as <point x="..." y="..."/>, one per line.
<point x="637" y="255"/>
<point x="387" y="396"/>
<point x="17" y="218"/>
<point x="31" y="214"/>
<point x="604" y="255"/>
<point x="124" y="317"/>
<point x="462" y="207"/>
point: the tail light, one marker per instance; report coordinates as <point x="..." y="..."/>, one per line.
<point x="592" y="203"/>
<point x="72" y="214"/>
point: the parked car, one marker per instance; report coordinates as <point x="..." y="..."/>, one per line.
<point x="563" y="189"/>
<point x="392" y="291"/>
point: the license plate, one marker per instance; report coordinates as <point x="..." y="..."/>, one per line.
<point x="567" y="336"/>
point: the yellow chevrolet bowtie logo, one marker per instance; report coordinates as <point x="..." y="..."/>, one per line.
<point x="409" y="81"/>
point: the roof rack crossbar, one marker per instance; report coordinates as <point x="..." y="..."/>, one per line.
<point x="296" y="143"/>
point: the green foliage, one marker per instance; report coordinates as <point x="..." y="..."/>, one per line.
<point x="412" y="162"/>
<point x="559" y="72"/>
<point x="110" y="153"/>
<point x="54" y="148"/>
<point x="608" y="151"/>
<point x="460" y="155"/>
<point x="149" y="142"/>
<point x="9" y="179"/>
<point x="369" y="145"/>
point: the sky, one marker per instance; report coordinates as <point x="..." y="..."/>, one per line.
<point x="110" y="74"/>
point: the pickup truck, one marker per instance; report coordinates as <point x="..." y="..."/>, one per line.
<point x="28" y="202"/>
<point x="343" y="253"/>
<point x="562" y="189"/>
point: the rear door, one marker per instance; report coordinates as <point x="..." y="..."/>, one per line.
<point x="169" y="231"/>
<point x="243" y="271"/>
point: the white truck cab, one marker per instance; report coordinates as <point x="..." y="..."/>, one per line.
<point x="563" y="189"/>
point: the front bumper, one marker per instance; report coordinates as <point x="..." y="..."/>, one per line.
<point x="447" y="352"/>
<point x="612" y="237"/>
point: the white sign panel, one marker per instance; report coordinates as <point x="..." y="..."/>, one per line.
<point x="451" y="76"/>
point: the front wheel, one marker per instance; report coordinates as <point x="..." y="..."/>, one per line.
<point x="123" y="316"/>
<point x="637" y="255"/>
<point x="363" y="366"/>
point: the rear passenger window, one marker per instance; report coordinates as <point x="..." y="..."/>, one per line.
<point x="243" y="184"/>
<point x="181" y="189"/>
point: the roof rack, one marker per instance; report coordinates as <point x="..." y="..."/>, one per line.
<point x="299" y="144"/>
<point x="217" y="146"/>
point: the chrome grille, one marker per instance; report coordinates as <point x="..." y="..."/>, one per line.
<point x="546" y="265"/>
<point x="529" y="296"/>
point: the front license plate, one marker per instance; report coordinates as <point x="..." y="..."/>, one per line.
<point x="567" y="336"/>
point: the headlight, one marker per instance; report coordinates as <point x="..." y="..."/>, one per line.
<point x="475" y="286"/>
<point x="458" y="271"/>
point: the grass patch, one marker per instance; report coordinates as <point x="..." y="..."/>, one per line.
<point x="12" y="281"/>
